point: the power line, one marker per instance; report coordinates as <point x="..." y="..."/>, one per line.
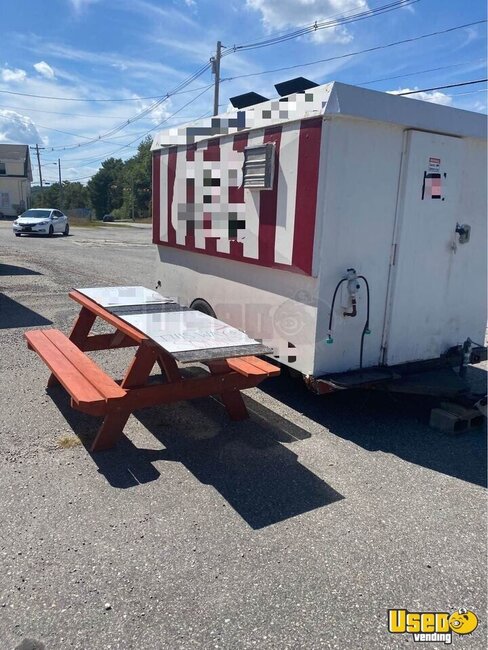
<point x="139" y="115"/>
<point x="80" y="178"/>
<point x="357" y="52"/>
<point x="139" y="136"/>
<point x="128" y="145"/>
<point x="163" y="122"/>
<point x="323" y="24"/>
<point x="75" y="135"/>
<point x="135" y="118"/>
<point x="471" y="92"/>
<point x="411" y="74"/>
<point x="308" y="25"/>
<point x="92" y="116"/>
<point x="271" y="41"/>
<point x="191" y="117"/>
<point x="88" y="161"/>
<point x="77" y="99"/>
<point x="38" y="110"/>
<point x="343" y="19"/>
<point x="426" y="90"/>
<point x="124" y="124"/>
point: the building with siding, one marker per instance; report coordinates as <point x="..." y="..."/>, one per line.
<point x="15" y="179"/>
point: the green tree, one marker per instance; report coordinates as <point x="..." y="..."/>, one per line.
<point x="137" y="181"/>
<point x="105" y="188"/>
<point x="74" y="195"/>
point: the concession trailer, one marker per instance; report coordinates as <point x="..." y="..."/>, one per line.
<point x="343" y="227"/>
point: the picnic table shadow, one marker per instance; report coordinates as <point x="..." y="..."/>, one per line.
<point x="244" y="461"/>
<point x="393" y="423"/>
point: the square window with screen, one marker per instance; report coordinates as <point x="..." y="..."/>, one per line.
<point x="258" y="169"/>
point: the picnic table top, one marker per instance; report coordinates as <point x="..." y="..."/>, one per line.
<point x="188" y="335"/>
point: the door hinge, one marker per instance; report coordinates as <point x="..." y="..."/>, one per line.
<point x="394" y="255"/>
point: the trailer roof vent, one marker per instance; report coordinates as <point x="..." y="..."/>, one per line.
<point x="258" y="169"/>
<point x="247" y="99"/>
<point x="297" y="85"/>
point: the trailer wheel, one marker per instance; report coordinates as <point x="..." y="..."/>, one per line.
<point x="202" y="305"/>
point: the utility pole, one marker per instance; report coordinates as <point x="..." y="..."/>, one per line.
<point x="132" y="194"/>
<point x="37" y="148"/>
<point x="216" y="71"/>
<point x="60" y="186"/>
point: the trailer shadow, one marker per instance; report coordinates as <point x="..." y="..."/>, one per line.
<point x="393" y="423"/>
<point x="10" y="269"/>
<point x="261" y="479"/>
<point x="14" y="314"/>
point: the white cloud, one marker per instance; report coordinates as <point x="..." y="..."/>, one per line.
<point x="197" y="50"/>
<point x="80" y="5"/>
<point x="44" y="69"/>
<point x="190" y="3"/>
<point x="13" y="74"/>
<point x="479" y="106"/>
<point x="17" y="129"/>
<point x="60" y="50"/>
<point x="434" y="96"/>
<point x="159" y="114"/>
<point x="150" y="11"/>
<point x="278" y="14"/>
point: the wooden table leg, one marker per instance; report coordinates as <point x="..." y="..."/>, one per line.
<point x="78" y="336"/>
<point x="82" y="327"/>
<point x="169" y="367"/>
<point x="232" y="399"/>
<point x="137" y="374"/>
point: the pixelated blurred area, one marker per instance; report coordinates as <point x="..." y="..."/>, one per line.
<point x="293" y="107"/>
<point x="213" y="205"/>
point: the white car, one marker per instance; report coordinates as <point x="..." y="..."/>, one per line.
<point x="41" y="221"/>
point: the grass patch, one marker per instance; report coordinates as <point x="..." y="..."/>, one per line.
<point x="68" y="441"/>
<point x="84" y="223"/>
<point x="76" y="222"/>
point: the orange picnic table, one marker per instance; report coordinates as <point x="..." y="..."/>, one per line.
<point x="167" y="334"/>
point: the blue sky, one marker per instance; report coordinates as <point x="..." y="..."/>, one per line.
<point x="132" y="49"/>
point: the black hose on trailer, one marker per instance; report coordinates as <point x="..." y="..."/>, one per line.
<point x="366" y="324"/>
<point x="331" y="316"/>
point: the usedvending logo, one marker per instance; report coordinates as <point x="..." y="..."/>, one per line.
<point x="432" y="626"/>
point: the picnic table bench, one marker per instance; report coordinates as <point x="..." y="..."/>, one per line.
<point x="166" y="333"/>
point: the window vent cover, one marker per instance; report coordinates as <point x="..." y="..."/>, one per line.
<point x="258" y="170"/>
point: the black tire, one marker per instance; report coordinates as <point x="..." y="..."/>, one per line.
<point x="17" y="234"/>
<point x="66" y="230"/>
<point x="202" y="305"/>
<point x="51" y="231"/>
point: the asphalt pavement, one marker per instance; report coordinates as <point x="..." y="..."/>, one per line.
<point x="297" y="529"/>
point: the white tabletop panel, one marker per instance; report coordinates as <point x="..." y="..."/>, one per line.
<point x="122" y="296"/>
<point x="188" y="330"/>
<point x="187" y="334"/>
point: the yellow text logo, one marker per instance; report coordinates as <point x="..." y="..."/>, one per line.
<point x="432" y="626"/>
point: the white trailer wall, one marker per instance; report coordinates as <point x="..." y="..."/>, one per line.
<point x="434" y="297"/>
<point x="269" y="304"/>
<point x="371" y="217"/>
<point x="359" y="177"/>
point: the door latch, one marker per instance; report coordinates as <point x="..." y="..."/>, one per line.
<point x="464" y="232"/>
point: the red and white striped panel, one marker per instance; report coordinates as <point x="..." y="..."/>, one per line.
<point x="199" y="203"/>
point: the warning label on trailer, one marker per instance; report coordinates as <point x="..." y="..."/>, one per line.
<point x="434" y="164"/>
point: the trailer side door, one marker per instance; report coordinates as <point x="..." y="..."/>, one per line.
<point x="432" y="275"/>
